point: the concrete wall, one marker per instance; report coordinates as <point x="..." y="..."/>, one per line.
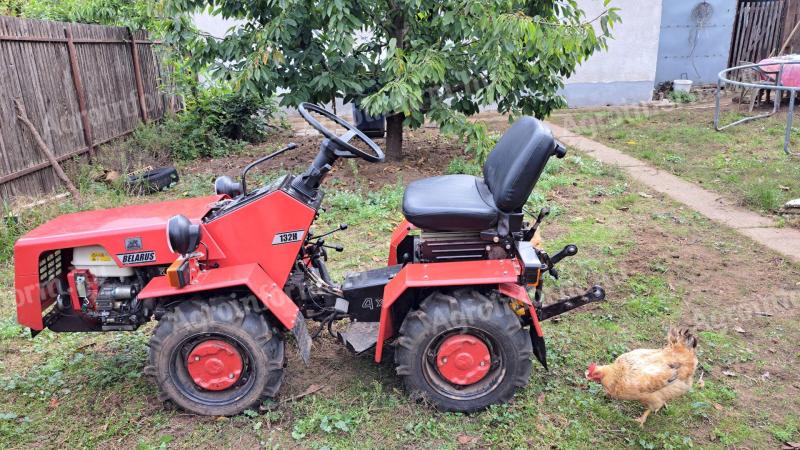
<point x="695" y="39"/>
<point x="625" y="73"/>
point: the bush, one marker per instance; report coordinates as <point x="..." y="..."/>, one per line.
<point x="682" y="97"/>
<point x="218" y="121"/>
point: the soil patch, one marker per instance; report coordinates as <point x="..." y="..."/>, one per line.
<point x="425" y="153"/>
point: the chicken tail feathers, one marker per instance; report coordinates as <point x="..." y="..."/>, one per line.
<point x="681" y="337"/>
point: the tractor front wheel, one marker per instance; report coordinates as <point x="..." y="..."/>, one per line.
<point x="215" y="357"/>
<point x="463" y="352"/>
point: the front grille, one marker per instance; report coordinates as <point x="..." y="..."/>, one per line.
<point x="50" y="266"/>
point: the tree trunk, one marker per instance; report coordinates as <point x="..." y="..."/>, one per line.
<point x="394" y="122"/>
<point x="394" y="136"/>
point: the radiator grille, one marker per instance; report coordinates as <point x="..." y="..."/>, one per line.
<point x="50" y="266"/>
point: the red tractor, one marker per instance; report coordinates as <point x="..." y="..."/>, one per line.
<point x="230" y="276"/>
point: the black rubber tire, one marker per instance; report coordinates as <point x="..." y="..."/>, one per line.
<point x="228" y="318"/>
<point x="464" y="309"/>
<point x="154" y="180"/>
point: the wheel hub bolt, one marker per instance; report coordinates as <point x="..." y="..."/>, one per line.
<point x="444" y="360"/>
<point x="231" y="376"/>
<point x="483" y="363"/>
<point x="197" y="358"/>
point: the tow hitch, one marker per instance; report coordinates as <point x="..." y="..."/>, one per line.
<point x="594" y="294"/>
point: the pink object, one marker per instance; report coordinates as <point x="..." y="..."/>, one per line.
<point x="791" y="72"/>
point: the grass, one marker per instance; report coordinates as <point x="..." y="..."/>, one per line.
<point x="87" y="390"/>
<point x="745" y="163"/>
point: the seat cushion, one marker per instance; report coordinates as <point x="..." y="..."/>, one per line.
<point x="450" y="203"/>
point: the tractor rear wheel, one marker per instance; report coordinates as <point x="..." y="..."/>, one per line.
<point x="216" y="357"/>
<point x="463" y="352"/>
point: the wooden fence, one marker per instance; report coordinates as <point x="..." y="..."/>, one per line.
<point x="82" y="86"/>
<point x="757" y="30"/>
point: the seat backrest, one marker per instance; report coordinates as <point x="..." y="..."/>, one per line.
<point x="514" y="166"/>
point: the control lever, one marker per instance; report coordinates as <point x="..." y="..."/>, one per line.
<point x="544" y="212"/>
<point x="569" y="250"/>
<point x="336" y="247"/>
<point x="341" y="227"/>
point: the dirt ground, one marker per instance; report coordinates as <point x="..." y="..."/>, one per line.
<point x="426" y="153"/>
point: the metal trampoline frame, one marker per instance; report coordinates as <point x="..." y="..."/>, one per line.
<point x="723" y="80"/>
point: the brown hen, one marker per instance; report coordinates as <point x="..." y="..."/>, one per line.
<point x="652" y="377"/>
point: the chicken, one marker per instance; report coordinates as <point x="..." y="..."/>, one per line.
<point x="652" y="377"/>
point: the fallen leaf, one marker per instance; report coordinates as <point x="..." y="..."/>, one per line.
<point x="739" y="330"/>
<point x="645" y="195"/>
<point x="465" y="439"/>
<point x="790" y="445"/>
<point x="765" y="376"/>
<point x="729" y="373"/>
<point x="718" y="407"/>
<point x="541" y="398"/>
<point x="53" y="403"/>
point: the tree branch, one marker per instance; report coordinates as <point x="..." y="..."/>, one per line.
<point x="23" y="117"/>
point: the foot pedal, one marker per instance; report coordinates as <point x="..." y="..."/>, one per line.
<point x="360" y="336"/>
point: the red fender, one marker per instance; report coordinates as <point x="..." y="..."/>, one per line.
<point x="519" y="292"/>
<point x="250" y="275"/>
<point x="398" y="235"/>
<point x="462" y="273"/>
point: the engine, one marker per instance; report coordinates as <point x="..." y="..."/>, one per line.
<point x="104" y="292"/>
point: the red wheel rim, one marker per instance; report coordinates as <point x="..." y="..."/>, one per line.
<point x="214" y="365"/>
<point x="463" y="359"/>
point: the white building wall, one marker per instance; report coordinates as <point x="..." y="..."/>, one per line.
<point x="214" y="25"/>
<point x="625" y="73"/>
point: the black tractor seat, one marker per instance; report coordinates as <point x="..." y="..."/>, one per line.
<point x="468" y="203"/>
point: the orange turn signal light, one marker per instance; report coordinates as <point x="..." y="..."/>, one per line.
<point x="178" y="273"/>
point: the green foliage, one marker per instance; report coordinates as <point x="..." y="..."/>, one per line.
<point x="763" y="195"/>
<point x="462" y="166"/>
<point x="137" y="14"/>
<point x="682" y="97"/>
<point x="218" y="121"/>
<point x="435" y="59"/>
<point x="11" y="7"/>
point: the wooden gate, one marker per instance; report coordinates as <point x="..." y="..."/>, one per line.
<point x="757" y="30"/>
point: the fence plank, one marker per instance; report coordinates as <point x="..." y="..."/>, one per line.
<point x="36" y="66"/>
<point x="80" y="92"/>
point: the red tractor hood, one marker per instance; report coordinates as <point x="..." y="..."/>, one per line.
<point x="130" y="229"/>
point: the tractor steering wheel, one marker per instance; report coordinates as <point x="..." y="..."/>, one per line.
<point x="343" y="147"/>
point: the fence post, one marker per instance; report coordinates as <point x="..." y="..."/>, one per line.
<point x="76" y="80"/>
<point x="137" y="73"/>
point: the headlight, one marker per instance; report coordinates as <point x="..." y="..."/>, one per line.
<point x="183" y="237"/>
<point x="225" y="185"/>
